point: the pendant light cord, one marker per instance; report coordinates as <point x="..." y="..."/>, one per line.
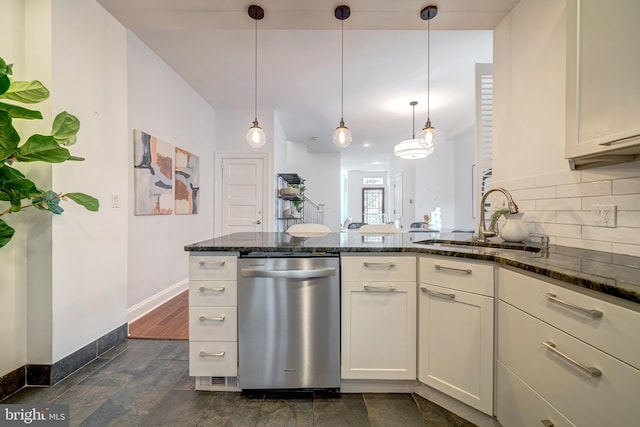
<point x="342" y="73"/>
<point x="255" y="81"/>
<point x="428" y="66"/>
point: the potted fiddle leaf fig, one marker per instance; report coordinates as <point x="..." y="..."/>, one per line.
<point x="15" y="187"/>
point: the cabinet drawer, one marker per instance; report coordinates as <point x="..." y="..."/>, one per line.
<point x="213" y="359"/>
<point x="520" y="406"/>
<point x="379" y="269"/>
<point x="208" y="267"/>
<point x="213" y="324"/>
<point x="615" y="333"/>
<point x="463" y="275"/>
<point x="213" y="293"/>
<point x="585" y="399"/>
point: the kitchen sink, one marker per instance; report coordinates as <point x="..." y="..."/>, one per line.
<point x="472" y="244"/>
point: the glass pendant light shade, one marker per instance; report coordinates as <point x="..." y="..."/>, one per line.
<point x="256" y="137"/>
<point x="342" y="136"/>
<point x="413" y="148"/>
<point x="428" y="136"/>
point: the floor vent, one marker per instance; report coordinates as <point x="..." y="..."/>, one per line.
<point x="217" y="383"/>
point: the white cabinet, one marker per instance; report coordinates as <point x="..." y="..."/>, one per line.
<point x="378" y="317"/>
<point x="213" y="316"/>
<point x="456" y="312"/>
<point x="554" y="342"/>
<point x="603" y="88"/>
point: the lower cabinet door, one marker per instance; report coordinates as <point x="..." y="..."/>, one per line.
<point x="520" y="406"/>
<point x="379" y="330"/>
<point x="456" y="344"/>
<point x="217" y="359"/>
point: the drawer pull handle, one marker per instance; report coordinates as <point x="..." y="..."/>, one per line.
<point x="438" y="294"/>
<point x="218" y="354"/>
<point x="462" y="270"/>
<point x="218" y="263"/>
<point x="217" y="318"/>
<point x="379" y="264"/>
<point x="380" y="288"/>
<point x="594" y="372"/>
<point x="595" y="314"/>
<point x="547" y="423"/>
<point x="217" y="289"/>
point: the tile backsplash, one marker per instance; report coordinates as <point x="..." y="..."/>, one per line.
<point x="559" y="205"/>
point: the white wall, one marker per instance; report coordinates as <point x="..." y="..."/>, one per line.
<point x="160" y="103"/>
<point x="408" y="170"/>
<point x="89" y="249"/>
<point x="464" y="158"/>
<point x="354" y="194"/>
<point x="321" y="172"/>
<point x="529" y="137"/>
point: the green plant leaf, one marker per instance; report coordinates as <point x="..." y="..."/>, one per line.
<point x="26" y="92"/>
<point x="6" y="233"/>
<point x="5" y="69"/>
<point x="49" y="201"/>
<point x="90" y="203"/>
<point x="76" y="158"/>
<point x="9" y="138"/>
<point x="4" y="83"/>
<point x="17" y="112"/>
<point x="42" y="148"/>
<point x="65" y="127"/>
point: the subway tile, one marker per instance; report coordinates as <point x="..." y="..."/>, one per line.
<point x="620" y="248"/>
<point x="573" y="217"/>
<point x="558" y="178"/>
<point x="540" y="216"/>
<point x="596" y="188"/>
<point x="534" y="193"/>
<point x="614" y="235"/>
<point x="623" y="170"/>
<point x="630" y="202"/>
<point x="628" y="219"/>
<point x="626" y="186"/>
<point x="566" y="204"/>
<point x="562" y="230"/>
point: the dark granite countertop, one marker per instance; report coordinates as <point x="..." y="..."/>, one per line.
<point x="603" y="272"/>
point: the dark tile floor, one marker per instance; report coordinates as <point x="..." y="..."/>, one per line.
<point x="146" y="383"/>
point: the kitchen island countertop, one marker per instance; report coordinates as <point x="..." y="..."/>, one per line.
<point x="608" y="274"/>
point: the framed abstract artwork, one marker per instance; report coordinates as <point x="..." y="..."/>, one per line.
<point x="187" y="182"/>
<point x="153" y="175"/>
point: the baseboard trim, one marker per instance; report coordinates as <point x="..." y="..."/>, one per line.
<point x="143" y="307"/>
<point x="12" y="382"/>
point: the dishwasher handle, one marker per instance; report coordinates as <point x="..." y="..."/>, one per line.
<point x="310" y="273"/>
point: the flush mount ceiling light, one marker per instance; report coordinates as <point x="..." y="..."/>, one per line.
<point x="256" y="137"/>
<point x="342" y="135"/>
<point x="429" y="134"/>
<point x="412" y="148"/>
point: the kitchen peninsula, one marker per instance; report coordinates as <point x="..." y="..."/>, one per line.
<point x="552" y="333"/>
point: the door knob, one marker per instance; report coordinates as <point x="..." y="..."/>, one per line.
<point x="257" y="222"/>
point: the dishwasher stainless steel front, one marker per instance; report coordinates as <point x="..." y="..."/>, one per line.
<point x="289" y="323"/>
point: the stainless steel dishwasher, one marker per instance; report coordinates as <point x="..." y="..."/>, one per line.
<point x="289" y="322"/>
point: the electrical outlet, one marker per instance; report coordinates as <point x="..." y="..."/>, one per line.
<point x="115" y="200"/>
<point x="604" y="215"/>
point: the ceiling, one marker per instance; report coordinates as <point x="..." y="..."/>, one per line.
<point x="210" y="43"/>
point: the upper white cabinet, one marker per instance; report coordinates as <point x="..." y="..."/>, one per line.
<point x="603" y="82"/>
<point x="379" y="318"/>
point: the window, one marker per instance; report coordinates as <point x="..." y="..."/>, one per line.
<point x="372" y="180"/>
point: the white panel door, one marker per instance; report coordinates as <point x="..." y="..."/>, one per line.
<point x="242" y="198"/>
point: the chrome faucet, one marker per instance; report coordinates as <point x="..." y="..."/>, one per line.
<point x="483" y="233"/>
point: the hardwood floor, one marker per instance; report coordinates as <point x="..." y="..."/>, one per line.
<point x="170" y="321"/>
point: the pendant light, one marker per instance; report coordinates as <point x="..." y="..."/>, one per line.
<point x="342" y="135"/>
<point x="412" y="148"/>
<point x="429" y="133"/>
<point x="256" y="136"/>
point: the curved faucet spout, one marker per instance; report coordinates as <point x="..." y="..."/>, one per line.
<point x="483" y="233"/>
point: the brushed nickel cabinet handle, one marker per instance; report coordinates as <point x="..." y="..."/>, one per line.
<point x="218" y="263"/>
<point x="441" y="294"/>
<point x="379" y="264"/>
<point x="594" y="372"/>
<point x="216" y="289"/>
<point x="218" y="354"/>
<point x="595" y="314"/>
<point x="462" y="270"/>
<point x="380" y="288"/>
<point x="547" y="423"/>
<point x="216" y="318"/>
